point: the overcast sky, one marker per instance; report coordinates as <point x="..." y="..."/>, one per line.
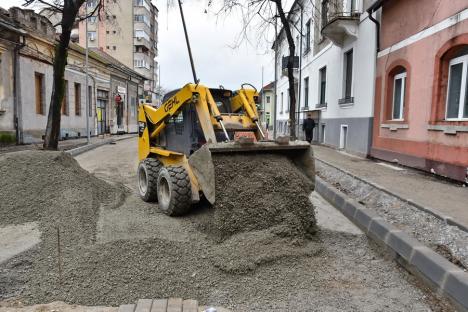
<point x="211" y="37"/>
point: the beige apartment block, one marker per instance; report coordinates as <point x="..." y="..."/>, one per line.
<point x="128" y="32"/>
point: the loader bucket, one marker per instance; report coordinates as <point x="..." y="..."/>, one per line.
<point x="203" y="168"/>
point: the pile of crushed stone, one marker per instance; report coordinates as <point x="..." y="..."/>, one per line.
<point x="262" y="211"/>
<point x="51" y="190"/>
<point x="262" y="217"/>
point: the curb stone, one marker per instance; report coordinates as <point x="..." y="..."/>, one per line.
<point x="85" y="148"/>
<point x="440" y="274"/>
<point x="447" y="219"/>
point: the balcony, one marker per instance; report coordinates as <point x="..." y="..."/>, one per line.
<point x="284" y="65"/>
<point x="140" y="41"/>
<point x="339" y="22"/>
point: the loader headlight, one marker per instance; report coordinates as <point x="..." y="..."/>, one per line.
<point x="141" y="128"/>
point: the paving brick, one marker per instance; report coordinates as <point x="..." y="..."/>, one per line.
<point x="363" y="216"/>
<point x="174" y="305"/>
<point x="190" y="305"/>
<point x="159" y="305"/>
<point x="402" y="243"/>
<point x="431" y="264"/>
<point x="456" y="286"/>
<point x="349" y="208"/>
<point x="339" y="200"/>
<point x="127" y="308"/>
<point x="143" y="305"/>
<point x="379" y="229"/>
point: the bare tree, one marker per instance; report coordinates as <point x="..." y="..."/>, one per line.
<point x="259" y="16"/>
<point x="69" y="10"/>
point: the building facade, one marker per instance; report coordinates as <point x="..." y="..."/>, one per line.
<point x="334" y="76"/>
<point x="421" y="86"/>
<point x="128" y="32"/>
<point x="27" y="42"/>
<point x="267" y="96"/>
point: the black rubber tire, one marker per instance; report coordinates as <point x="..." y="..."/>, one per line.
<point x="148" y="172"/>
<point x="174" y="191"/>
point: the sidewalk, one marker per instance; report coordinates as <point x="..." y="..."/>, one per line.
<point x="432" y="193"/>
<point x="64" y="145"/>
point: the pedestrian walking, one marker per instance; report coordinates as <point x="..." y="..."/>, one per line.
<point x="308" y="127"/>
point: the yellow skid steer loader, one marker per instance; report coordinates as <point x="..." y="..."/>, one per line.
<point x="176" y="142"/>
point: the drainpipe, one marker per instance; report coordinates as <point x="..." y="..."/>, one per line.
<point x="377" y="24"/>
<point x="299" y="83"/>
<point x="17" y="113"/>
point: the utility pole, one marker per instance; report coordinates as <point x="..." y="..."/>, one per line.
<point x="195" y="79"/>
<point x="263" y="98"/>
<point x="86" y="81"/>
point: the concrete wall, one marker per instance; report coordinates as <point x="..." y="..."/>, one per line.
<point x="356" y="142"/>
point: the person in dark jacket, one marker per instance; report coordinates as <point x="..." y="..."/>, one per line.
<point x="308" y="127"/>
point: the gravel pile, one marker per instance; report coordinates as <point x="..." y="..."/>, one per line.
<point x="449" y="241"/>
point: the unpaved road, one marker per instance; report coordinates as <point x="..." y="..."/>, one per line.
<point x="348" y="274"/>
<point x="116" y="249"/>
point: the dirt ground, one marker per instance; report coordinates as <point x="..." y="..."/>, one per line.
<point x="137" y="252"/>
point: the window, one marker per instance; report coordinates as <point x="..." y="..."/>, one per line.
<point x="324" y="13"/>
<point x="353" y="7"/>
<point x="92" y="19"/>
<point x="281" y="107"/>
<point x="39" y="85"/>
<point x="139" y="34"/>
<point x="398" y="103"/>
<point x="323" y="86"/>
<point x="457" y="94"/>
<point x="91" y="3"/>
<point x="65" y="100"/>
<point x="306" y="91"/>
<point x="77" y="99"/>
<point x="141" y="18"/>
<point x="92" y="35"/>
<point x="307" y="37"/>
<point x="140" y="64"/>
<point x="268" y="99"/>
<point x="348" y="72"/>
<point x="288" y="102"/>
<point x="143" y="4"/>
<point x="114" y="48"/>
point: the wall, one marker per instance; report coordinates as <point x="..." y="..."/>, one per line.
<point x="411" y="141"/>
<point x="6" y="90"/>
<point x="72" y="125"/>
<point x="357" y="116"/>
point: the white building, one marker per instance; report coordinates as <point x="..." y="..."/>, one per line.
<point x="335" y="75"/>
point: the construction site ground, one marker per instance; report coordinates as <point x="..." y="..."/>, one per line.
<point x="139" y="252"/>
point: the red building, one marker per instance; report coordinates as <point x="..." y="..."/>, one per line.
<point x="421" y="86"/>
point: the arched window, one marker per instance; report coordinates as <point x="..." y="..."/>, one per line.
<point x="457" y="89"/>
<point x="397" y="92"/>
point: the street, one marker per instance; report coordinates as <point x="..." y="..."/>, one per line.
<point x="348" y="273"/>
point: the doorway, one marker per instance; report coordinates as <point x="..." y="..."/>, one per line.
<point x="343" y="136"/>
